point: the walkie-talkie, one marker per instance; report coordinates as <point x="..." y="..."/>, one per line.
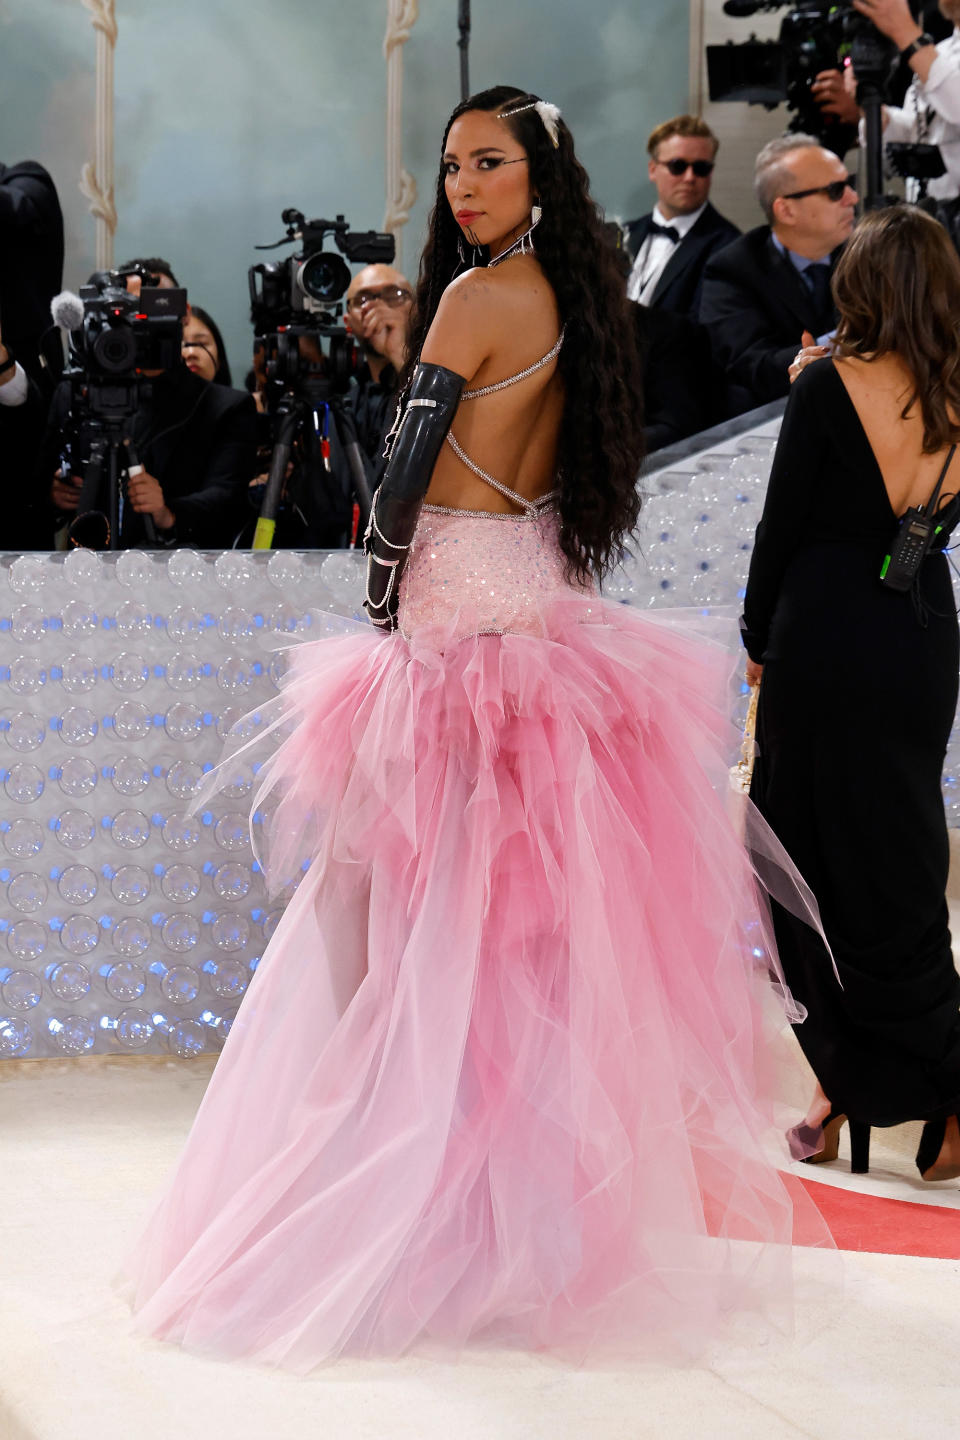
<point x="917" y="532"/>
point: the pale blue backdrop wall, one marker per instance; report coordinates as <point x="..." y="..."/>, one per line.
<point x="227" y="111"/>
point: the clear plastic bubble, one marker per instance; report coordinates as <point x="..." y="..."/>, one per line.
<point x="186" y="1038"/>
<point x="78" y="885"/>
<point x="270" y="922"/>
<point x="234" y="674"/>
<point x="135" y="570"/>
<point x="75" y="829"/>
<point x="277" y="669"/>
<point x="130" y="885"/>
<point x="81" y="568"/>
<point x="186" y="569"/>
<point x="236" y="724"/>
<point x="223" y="1026"/>
<point x="183" y="722"/>
<point x="70" y="980"/>
<point x="181" y="883"/>
<point x="237" y="781"/>
<point x="16" y="1037"/>
<point x="24" y="731"/>
<point x="26" y="624"/>
<point x="232" y="880"/>
<point x="180" y="932"/>
<point x="27" y="575"/>
<point x="80" y="934"/>
<point x="234" y="624"/>
<point x="284" y="569"/>
<point x="130" y="829"/>
<point x="282" y="618"/>
<point x="181" y="984"/>
<point x="344" y="574"/>
<point x="183" y="671"/>
<point x="27" y="675"/>
<point x="129" y="775"/>
<point x="78" y="726"/>
<point x="129" y="672"/>
<point x="21" y="990"/>
<point x="233" y="569"/>
<point x="181" y="831"/>
<point x="24" y="839"/>
<point x="26" y="940"/>
<point x="74" y="1035"/>
<point x="185" y="625"/>
<point x="79" y="619"/>
<point x="24" y="783"/>
<point x="131" y="937"/>
<point x="228" y="978"/>
<point x="78" y="674"/>
<point x="232" y="832"/>
<point x="131" y="721"/>
<point x="183" y="779"/>
<point x="230" y="932"/>
<point x="27" y="892"/>
<point x="77" y="776"/>
<point x="134" y="619"/>
<point x="126" y="980"/>
<point x="134" y="1028"/>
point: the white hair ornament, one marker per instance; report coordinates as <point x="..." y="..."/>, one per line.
<point x="549" y="115"/>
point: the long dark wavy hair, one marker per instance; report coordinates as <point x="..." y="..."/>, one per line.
<point x="601" y="438"/>
<point x="897" y="288"/>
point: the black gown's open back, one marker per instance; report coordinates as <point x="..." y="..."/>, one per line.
<point x="857" y="702"/>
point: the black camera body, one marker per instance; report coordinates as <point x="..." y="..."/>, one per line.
<point x="313" y="281"/>
<point x="123" y="335"/>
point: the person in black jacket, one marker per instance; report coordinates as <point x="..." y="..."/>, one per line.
<point x="197" y="444"/>
<point x="22" y="411"/>
<point x="766" y="290"/>
<point x="671" y="246"/>
<point x="31" y="262"/>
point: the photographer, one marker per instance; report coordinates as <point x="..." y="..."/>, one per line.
<point x="377" y="313"/>
<point x="31" y="247"/>
<point x="930" y="113"/>
<point x="196" y="444"/>
<point x="21" y="426"/>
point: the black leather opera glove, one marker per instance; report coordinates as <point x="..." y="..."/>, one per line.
<point x="416" y="442"/>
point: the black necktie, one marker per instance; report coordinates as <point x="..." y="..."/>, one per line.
<point x="818" y="279"/>
<point x="667" y="230"/>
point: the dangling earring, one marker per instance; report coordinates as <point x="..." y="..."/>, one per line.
<point x="536" y="213"/>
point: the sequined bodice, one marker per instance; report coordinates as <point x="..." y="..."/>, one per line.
<point x="481" y="572"/>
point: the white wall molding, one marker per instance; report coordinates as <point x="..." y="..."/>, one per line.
<point x="96" y="177"/>
<point x="401" y="187"/>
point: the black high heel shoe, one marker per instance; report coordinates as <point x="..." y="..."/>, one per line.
<point x="931" y="1143"/>
<point x="801" y="1137"/>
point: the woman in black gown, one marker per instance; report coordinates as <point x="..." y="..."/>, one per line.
<point x="860" y="688"/>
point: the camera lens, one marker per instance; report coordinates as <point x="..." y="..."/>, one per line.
<point x="115" y="349"/>
<point x="323" y="277"/>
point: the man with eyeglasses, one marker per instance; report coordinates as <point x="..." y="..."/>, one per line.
<point x="671" y="245"/>
<point x="377" y="314"/>
<point x="768" y="294"/>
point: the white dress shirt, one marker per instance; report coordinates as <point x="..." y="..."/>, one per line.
<point x="14" y="392"/>
<point x="655" y="252"/>
<point x="939" y="98"/>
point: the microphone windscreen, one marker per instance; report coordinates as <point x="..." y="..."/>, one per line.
<point x="67" y="310"/>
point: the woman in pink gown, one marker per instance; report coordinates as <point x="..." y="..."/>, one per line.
<point x="501" y="1075"/>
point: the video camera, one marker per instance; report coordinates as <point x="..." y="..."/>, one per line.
<point x="301" y="297"/>
<point x="814" y="36"/>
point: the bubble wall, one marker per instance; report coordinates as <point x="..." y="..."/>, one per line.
<point x="130" y="921"/>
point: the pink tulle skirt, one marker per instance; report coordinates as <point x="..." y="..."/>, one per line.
<point x="501" y="1076"/>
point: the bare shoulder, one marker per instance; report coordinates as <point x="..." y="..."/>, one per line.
<point x="481" y="308"/>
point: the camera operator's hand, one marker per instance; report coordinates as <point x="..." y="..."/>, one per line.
<point x="386" y="329"/>
<point x="65" y="491"/>
<point x="893" y="19"/>
<point x="146" y="497"/>
<point x="835" y="93"/>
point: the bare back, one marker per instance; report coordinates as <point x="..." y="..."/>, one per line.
<point x="512" y="434"/>
<point x="878" y="390"/>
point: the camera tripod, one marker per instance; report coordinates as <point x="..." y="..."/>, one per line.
<point x="109" y="409"/>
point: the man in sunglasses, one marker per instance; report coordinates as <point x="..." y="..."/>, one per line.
<point x="771" y="288"/>
<point x="671" y="245"/>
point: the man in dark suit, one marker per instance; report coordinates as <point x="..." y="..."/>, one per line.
<point x="670" y="246"/>
<point x="768" y="293"/>
<point x="31" y="261"/>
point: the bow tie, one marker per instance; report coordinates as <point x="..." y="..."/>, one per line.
<point x="669" y="230"/>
